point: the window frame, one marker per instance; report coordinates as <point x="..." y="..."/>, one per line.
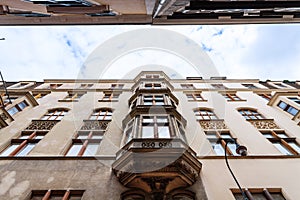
<point x="210" y="114"/>
<point x="253" y="114"/>
<point x="195" y="96"/>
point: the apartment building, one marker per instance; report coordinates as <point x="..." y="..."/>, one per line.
<point x="151" y="137"/>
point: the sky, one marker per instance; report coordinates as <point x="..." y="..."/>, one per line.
<point x="237" y="51"/>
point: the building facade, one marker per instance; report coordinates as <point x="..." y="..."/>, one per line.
<point x="151" y="137"/>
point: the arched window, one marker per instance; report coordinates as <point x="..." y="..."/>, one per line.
<point x="55" y="114"/>
<point x="101" y="114"/>
<point x="205" y="114"/>
<point x="248" y="113"/>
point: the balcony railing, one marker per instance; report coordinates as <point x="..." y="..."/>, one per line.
<point x="263" y="123"/>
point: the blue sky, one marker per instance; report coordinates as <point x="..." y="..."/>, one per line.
<point x="238" y="51"/>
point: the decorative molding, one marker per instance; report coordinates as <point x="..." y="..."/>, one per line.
<point x="42" y="124"/>
<point x="94" y="125"/>
<point x="263" y="123"/>
<point x="213" y="124"/>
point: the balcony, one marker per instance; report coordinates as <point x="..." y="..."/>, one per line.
<point x="157" y="166"/>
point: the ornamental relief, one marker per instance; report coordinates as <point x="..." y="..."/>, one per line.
<point x="213" y="124"/>
<point x="264" y="124"/>
<point x="41" y="125"/>
<point x="94" y="125"/>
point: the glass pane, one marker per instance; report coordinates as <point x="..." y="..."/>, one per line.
<point x="148" y="120"/>
<point x="108" y="117"/>
<point x="232" y="148"/>
<point x="282" y="149"/>
<point x="211" y="135"/>
<point x="218" y="148"/>
<point x="91" y="149"/>
<point x="238" y="197"/>
<point x="93" y="117"/>
<point x="282" y="135"/>
<point x="226" y="135"/>
<point x="159" y="103"/>
<point x="82" y="136"/>
<point x="259" y="196"/>
<point x="295" y="146"/>
<point x="74" y="150"/>
<point x="39" y="137"/>
<point x="148" y="132"/>
<point x="292" y="110"/>
<point x="13" y="111"/>
<point x="59" y="118"/>
<point x="162" y="119"/>
<point x="268" y="135"/>
<point x="282" y="105"/>
<point x="163" y="132"/>
<point x="22" y="105"/>
<point x="9" y="149"/>
<point x="26" y="149"/>
<point x="24" y="137"/>
<point x="52" y="117"/>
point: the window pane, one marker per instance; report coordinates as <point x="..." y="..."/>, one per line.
<point x="292" y="110"/>
<point x="277" y="196"/>
<point x="259" y="196"/>
<point x="282" y="105"/>
<point x="148" y="132"/>
<point x="295" y="146"/>
<point x="232" y="148"/>
<point x="91" y="149"/>
<point x="13" y="111"/>
<point x="163" y="132"/>
<point x="268" y="135"/>
<point x="22" y="105"/>
<point x="9" y="149"/>
<point x="282" y="149"/>
<point x="218" y="148"/>
<point x="74" y="150"/>
<point x="26" y="149"/>
<point x="162" y="120"/>
<point x="148" y="120"/>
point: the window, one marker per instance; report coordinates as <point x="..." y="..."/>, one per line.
<point x="56" y="194"/>
<point x="101" y="114"/>
<point x="266" y="96"/>
<point x="282" y="142"/>
<point x="56" y="114"/>
<point x="24" y="144"/>
<point x="109" y="96"/>
<point x="54" y="85"/>
<point x="85" y="143"/>
<point x="280" y="85"/>
<point x="17" y="108"/>
<point x="261" y="194"/>
<point x="154" y="100"/>
<point x="156" y="127"/>
<point x="287" y="108"/>
<point x="250" y="86"/>
<point x="39" y="95"/>
<point x="250" y="114"/>
<point x="295" y="99"/>
<point x="232" y="97"/>
<point x="5" y="100"/>
<point x="218" y="140"/>
<point x="152" y="76"/>
<point x="117" y="86"/>
<point x="72" y="97"/>
<point x="19" y="85"/>
<point x="205" y="114"/>
<point x="85" y="86"/>
<point x="153" y="85"/>
<point x="187" y="86"/>
<point x="219" y="86"/>
<point x="195" y="97"/>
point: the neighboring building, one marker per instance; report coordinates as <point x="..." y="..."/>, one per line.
<point x="151" y="137"/>
<point x="156" y="12"/>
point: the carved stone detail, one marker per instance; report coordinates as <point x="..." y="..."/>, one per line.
<point x="213" y="124"/>
<point x="264" y="124"/>
<point x="42" y="124"/>
<point x="3" y="116"/>
<point x="94" y="125"/>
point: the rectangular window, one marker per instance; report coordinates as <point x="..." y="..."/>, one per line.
<point x="17" y="108"/>
<point x="288" y="108"/>
<point x="219" y="86"/>
<point x="295" y="99"/>
<point x="259" y="194"/>
<point x="266" y="96"/>
<point x="153" y="85"/>
<point x="39" y="95"/>
<point x="218" y="140"/>
<point x="187" y="86"/>
<point x="54" y="86"/>
<point x="108" y="96"/>
<point x="85" y="143"/>
<point x="231" y="97"/>
<point x="156" y="127"/>
<point x="24" y="144"/>
<point x="117" y="86"/>
<point x="250" y="86"/>
<point x="195" y="97"/>
<point x="154" y="100"/>
<point x="284" y="143"/>
<point x="56" y="194"/>
<point x="72" y="97"/>
<point x="85" y="86"/>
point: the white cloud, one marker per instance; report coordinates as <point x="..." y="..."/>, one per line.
<point x="238" y="51"/>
